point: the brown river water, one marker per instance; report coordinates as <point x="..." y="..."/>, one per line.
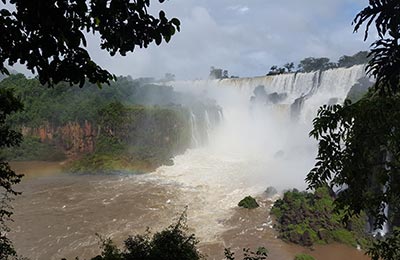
<point x="58" y="215"/>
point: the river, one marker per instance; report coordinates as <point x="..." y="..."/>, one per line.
<point x="251" y="148"/>
<point x="58" y="215"/>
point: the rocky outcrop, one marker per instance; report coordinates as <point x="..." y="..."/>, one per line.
<point x="73" y="138"/>
<point x="310" y="218"/>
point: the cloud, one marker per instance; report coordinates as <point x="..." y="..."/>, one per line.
<point x="239" y="8"/>
<point x="217" y="33"/>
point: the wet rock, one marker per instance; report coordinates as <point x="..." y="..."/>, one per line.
<point x="270" y="192"/>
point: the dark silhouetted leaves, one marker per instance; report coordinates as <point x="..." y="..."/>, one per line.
<point x="47" y="35"/>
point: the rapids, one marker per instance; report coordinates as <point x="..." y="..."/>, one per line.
<point x="252" y="147"/>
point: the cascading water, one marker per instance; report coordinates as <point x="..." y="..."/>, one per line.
<point x="256" y="145"/>
<point x="385" y="227"/>
<point x="194" y="130"/>
<point x="208" y="123"/>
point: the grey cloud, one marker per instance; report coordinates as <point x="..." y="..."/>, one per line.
<point x="245" y="37"/>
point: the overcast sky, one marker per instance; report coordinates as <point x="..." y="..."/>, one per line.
<point x="246" y="37"/>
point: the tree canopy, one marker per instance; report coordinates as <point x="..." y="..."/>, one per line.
<point x="48" y="36"/>
<point x="8" y="137"/>
<point x="359" y="145"/>
<point x="385" y="52"/>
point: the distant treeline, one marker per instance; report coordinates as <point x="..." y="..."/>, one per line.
<point x="314" y="64"/>
<point x="306" y="65"/>
<point x="131" y="124"/>
<point x="62" y="103"/>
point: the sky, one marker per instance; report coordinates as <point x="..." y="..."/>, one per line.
<point x="245" y="37"/>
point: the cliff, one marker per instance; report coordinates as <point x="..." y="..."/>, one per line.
<point x="72" y="138"/>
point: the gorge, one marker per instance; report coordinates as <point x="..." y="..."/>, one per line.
<point x="253" y="139"/>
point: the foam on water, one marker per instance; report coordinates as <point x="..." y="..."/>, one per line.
<point x="255" y="146"/>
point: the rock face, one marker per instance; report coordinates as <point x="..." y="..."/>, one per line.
<point x="73" y="138"/>
<point x="76" y="138"/>
<point x="270" y="192"/>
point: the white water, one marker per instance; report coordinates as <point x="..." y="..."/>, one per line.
<point x="255" y="146"/>
<point x="194" y="130"/>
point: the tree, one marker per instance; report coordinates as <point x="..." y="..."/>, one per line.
<point x="385" y="53"/>
<point x="289" y="66"/>
<point x="48" y="36"/>
<point x="173" y="242"/>
<point x="358" y="58"/>
<point x="215" y="73"/>
<point x="359" y="143"/>
<point x="8" y="137"/>
<point x="274" y="70"/>
<point x="314" y="64"/>
<point x="225" y="74"/>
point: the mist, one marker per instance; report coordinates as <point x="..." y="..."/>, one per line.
<point x="256" y="144"/>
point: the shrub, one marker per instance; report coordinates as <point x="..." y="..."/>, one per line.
<point x="248" y="203"/>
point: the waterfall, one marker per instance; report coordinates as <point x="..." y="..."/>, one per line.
<point x="385" y="228"/>
<point x="314" y="88"/>
<point x="208" y="124"/>
<point x="194" y="129"/>
<point x="256" y="144"/>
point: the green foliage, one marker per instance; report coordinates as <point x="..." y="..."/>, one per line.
<point x="48" y="36"/>
<point x="303" y="257"/>
<point x="359" y="143"/>
<point x="359" y="89"/>
<point x="356" y="59"/>
<point x="61" y="104"/>
<point x="136" y="138"/>
<point x="248" y="203"/>
<point x="100" y="163"/>
<point x="359" y="150"/>
<point x="388" y="248"/>
<point x="385" y="54"/>
<point x="305" y="218"/>
<point x="138" y="126"/>
<point x="314" y="64"/>
<point x="344" y="236"/>
<point x="171" y="243"/>
<point x="8" y="178"/>
<point x="31" y="149"/>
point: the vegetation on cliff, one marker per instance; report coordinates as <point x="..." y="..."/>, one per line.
<point x="136" y="138"/>
<point x="130" y="125"/>
<point x="309" y="218"/>
<point x="314" y="64"/>
<point x="31" y="149"/>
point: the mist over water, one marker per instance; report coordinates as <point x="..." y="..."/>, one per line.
<point x="255" y="145"/>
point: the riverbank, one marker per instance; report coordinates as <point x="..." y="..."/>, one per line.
<point x="36" y="169"/>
